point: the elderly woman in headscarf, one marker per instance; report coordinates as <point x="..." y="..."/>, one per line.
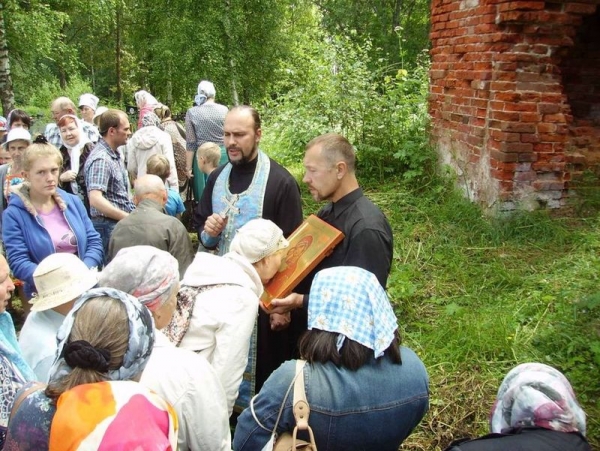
<point x="146" y="103"/>
<point x="218" y="305"/>
<point x="536" y="410"/>
<point x="75" y="149"/>
<point x="203" y="123"/>
<point x="107" y="336"/>
<point x="364" y="391"/>
<point x="182" y="377"/>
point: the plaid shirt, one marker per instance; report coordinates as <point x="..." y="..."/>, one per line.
<point x="52" y="134"/>
<point x="104" y="171"/>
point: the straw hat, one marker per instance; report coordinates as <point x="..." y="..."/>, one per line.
<point x="60" y="278"/>
<point x="258" y="239"/>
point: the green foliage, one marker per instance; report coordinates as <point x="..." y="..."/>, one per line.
<point x="478" y="295"/>
<point x="329" y="87"/>
<point x="397" y="29"/>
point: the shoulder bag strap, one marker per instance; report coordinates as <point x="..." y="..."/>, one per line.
<point x="285" y="397"/>
<point x="22" y="396"/>
<point x="301" y="407"/>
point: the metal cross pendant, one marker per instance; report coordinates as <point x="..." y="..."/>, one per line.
<point x="230" y="205"/>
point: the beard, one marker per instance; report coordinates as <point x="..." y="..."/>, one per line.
<point x="245" y="159"/>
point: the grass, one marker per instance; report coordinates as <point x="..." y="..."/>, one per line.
<point x="475" y="296"/>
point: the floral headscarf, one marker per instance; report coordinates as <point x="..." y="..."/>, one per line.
<point x="145" y="272"/>
<point x="150" y="119"/>
<point x="536" y="395"/>
<point x="350" y="301"/>
<point x="141" y="336"/>
<point x="113" y="415"/>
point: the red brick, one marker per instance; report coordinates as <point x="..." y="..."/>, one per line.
<point x="521" y="5"/>
<point x="549" y="167"/>
<point x="518" y="127"/>
<point x="527" y="157"/>
<point x="546" y="128"/>
<point x="528" y="107"/>
<point x="503" y="136"/>
<point x="559" y="117"/>
<point x="530" y="117"/>
<point x="546" y="185"/>
<point x="528" y="176"/>
<point x="504" y="156"/>
<point x="516" y="147"/>
<point x="530" y="138"/>
<point x="501" y="175"/>
<point x="580" y="8"/>
<point x="549" y="108"/>
<point x="503" y="116"/>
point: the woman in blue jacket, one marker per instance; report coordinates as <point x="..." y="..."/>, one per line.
<point x="364" y="390"/>
<point x="42" y="219"/>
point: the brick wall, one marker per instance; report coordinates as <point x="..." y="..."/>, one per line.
<point x="502" y="78"/>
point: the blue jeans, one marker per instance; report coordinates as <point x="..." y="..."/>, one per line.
<point x="374" y="408"/>
<point x="104" y="226"/>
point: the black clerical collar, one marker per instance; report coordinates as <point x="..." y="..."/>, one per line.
<point x="337" y="208"/>
<point x="246" y="168"/>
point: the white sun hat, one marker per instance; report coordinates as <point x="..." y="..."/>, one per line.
<point x="60" y="278"/>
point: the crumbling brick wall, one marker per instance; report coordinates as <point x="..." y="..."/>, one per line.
<point x="501" y="111"/>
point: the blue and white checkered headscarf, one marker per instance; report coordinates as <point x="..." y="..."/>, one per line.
<point x="141" y="336"/>
<point x="350" y="301"/>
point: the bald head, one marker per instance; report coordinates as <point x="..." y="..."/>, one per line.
<point x="150" y="187"/>
<point x="61" y="106"/>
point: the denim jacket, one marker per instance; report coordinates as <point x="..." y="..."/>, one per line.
<point x="375" y="407"/>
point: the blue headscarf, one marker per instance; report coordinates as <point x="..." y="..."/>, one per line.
<point x="141" y="336"/>
<point x="9" y="348"/>
<point x="350" y="301"/>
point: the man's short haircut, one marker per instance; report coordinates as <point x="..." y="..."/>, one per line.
<point x="110" y="118"/>
<point x="158" y="165"/>
<point x="148" y="184"/>
<point x="334" y="147"/>
<point x="253" y="113"/>
<point x="211" y="152"/>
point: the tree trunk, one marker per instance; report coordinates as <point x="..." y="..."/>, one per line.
<point x="7" y="95"/>
<point x="118" y="52"/>
<point x="230" y="47"/>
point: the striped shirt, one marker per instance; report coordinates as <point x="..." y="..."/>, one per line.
<point x="105" y="172"/>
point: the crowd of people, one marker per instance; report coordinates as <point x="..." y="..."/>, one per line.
<point x="135" y="340"/>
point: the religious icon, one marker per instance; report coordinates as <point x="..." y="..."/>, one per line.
<point x="310" y="243"/>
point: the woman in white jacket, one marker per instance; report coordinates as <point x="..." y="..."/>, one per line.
<point x="219" y="299"/>
<point x="147" y="141"/>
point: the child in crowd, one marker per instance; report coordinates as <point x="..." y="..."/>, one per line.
<point x="159" y="165"/>
<point x="208" y="155"/>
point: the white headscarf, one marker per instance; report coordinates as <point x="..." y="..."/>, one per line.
<point x="75" y="151"/>
<point x="206" y="90"/>
<point x="144" y="98"/>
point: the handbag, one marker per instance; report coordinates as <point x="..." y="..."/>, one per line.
<point x="287" y="441"/>
<point x="187" y="217"/>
